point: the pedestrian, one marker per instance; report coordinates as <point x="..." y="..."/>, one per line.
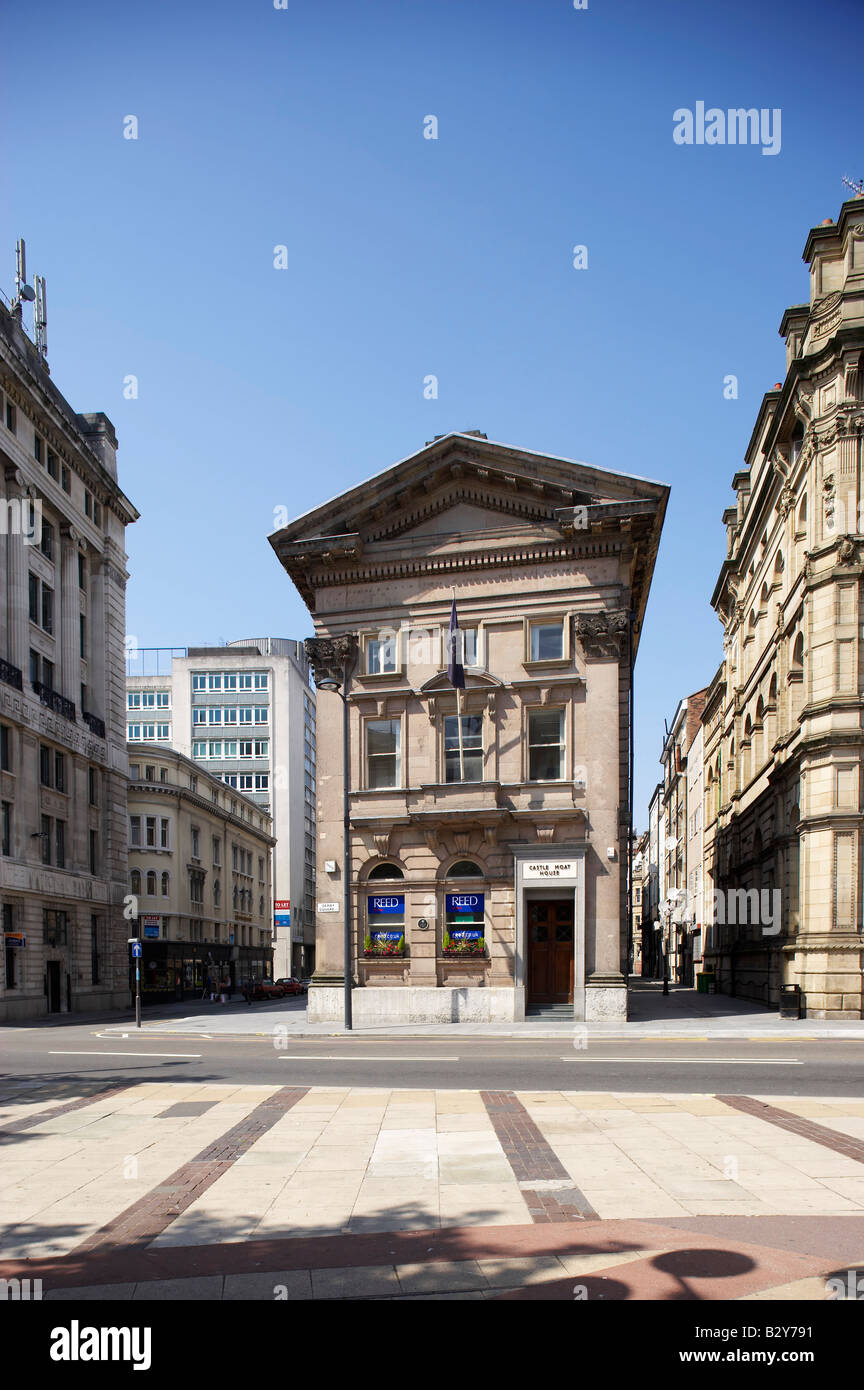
<point x="247" y="990"/>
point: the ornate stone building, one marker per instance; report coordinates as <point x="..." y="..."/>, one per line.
<point x="62" y="718"/>
<point x="200" y="876"/>
<point x="783" y="746"/>
<point x="488" y="839"/>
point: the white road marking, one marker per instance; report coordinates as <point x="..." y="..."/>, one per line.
<point x="99" y="1053"/>
<point x="697" y="1061"/>
<point x="346" y="1057"/>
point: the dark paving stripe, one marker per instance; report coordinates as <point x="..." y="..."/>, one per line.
<point x="185" y="1109"/>
<point x="836" y="1237"/>
<point x="104" y="1093"/>
<point x="112" y="1265"/>
<point x="796" y="1124"/>
<point x="533" y="1159"/>
<point x="149" y="1217"/>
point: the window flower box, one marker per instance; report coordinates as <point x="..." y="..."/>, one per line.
<point x="460" y="948"/>
<point x="373" y="949"/>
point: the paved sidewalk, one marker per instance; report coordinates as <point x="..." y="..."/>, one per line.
<point x="137" y="1186"/>
<point x="682" y="1014"/>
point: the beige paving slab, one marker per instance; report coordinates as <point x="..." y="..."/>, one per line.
<point x="204" y="1288"/>
<point x="406" y="1168"/>
<point x="463" y="1122"/>
<point x="334" y="1161"/>
<point x="513" y="1272"/>
<point x="613" y="1203"/>
<point x="441" y="1276"/>
<point x="92" y="1293"/>
<point x="348" y="1134"/>
<point x="811" y="1290"/>
<point x="359" y="1281"/>
<point x="851" y="1188"/>
<point x="587" y="1264"/>
<point x="287" y="1285"/>
<point x="792" y="1203"/>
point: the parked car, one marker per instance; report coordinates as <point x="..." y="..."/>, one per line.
<point x="268" y="989"/>
<point x="291" y="985"/>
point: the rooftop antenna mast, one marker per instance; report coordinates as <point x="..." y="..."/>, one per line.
<point x="40" y="316"/>
<point x="856" y="187"/>
<point x="22" y="289"/>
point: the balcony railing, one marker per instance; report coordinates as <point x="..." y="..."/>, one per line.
<point x="94" y="724"/>
<point x="54" y="700"/>
<point x="10" y="674"/>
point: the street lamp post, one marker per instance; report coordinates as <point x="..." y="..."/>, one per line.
<point x="667" y="908"/>
<point x="332" y="660"/>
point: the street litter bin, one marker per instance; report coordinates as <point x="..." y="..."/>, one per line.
<point x="704" y="981"/>
<point x="790" y="1001"/>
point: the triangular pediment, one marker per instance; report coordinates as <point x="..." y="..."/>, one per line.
<point x="464" y="501"/>
<point x="464" y="469"/>
<point x="455" y="517"/>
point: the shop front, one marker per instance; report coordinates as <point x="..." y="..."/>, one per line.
<point x="180" y="970"/>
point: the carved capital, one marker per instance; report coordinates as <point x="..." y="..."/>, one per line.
<point x="846" y="554"/>
<point x="603" y="634"/>
<point x="330" y="655"/>
<point x="785" y="501"/>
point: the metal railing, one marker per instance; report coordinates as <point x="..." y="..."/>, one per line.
<point x="94" y="723"/>
<point x="54" y="700"/>
<point x="10" y="674"/>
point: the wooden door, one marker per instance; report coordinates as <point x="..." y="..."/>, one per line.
<point x="53" y="986"/>
<point x="550" y="952"/>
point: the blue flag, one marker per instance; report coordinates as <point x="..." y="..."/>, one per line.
<point x="455" y="669"/>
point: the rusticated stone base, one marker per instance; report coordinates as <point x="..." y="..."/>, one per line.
<point x="606" y="999"/>
<point x="383" y="1006"/>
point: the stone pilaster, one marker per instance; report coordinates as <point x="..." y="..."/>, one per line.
<point x="17" y="567"/>
<point x="70" y="610"/>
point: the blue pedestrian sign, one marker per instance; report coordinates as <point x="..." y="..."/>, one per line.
<point x="136" y="950"/>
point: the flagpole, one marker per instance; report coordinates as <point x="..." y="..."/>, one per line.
<point x="459" y="703"/>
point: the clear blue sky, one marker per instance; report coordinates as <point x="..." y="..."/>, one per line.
<point x="262" y="388"/>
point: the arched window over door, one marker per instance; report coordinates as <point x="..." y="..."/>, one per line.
<point x="386" y="871"/>
<point x="464" y="868"/>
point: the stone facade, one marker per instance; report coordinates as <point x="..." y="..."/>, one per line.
<point x="639" y="888"/>
<point x="246" y="712"/>
<point x="63" y="779"/>
<point x="501" y="865"/>
<point x="783" y="753"/>
<point x="199" y="876"/>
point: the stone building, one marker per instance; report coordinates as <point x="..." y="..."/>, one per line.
<point x="678" y="921"/>
<point x="199" y="876"/>
<point x="246" y="712"/>
<point x="62" y="719"/>
<point x="786" y="773"/>
<point x="652" y="896"/>
<point x="487" y="873"/>
<point x="640" y="873"/>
